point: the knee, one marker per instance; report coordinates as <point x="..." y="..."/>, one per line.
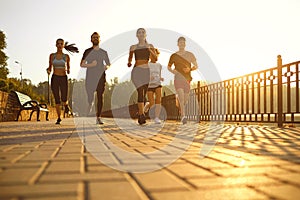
<point x="158" y="101"/>
<point x="151" y="103"/>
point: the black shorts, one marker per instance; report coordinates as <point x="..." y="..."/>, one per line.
<point x="154" y="89"/>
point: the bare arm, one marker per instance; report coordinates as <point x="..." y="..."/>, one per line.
<point x="195" y="65"/>
<point x="152" y="52"/>
<point x="68" y="64"/>
<point x="107" y="61"/>
<point x="131" y="50"/>
<point x="170" y="66"/>
<point x="85" y="65"/>
<point x="171" y="70"/>
<point x="49" y="69"/>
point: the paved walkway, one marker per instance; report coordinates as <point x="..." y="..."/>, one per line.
<point x="40" y="160"/>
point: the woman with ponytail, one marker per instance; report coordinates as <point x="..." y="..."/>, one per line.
<point x="140" y="74"/>
<point x="60" y="63"/>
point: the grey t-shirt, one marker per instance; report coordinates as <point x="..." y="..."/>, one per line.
<point x="93" y="74"/>
<point x="155" y="75"/>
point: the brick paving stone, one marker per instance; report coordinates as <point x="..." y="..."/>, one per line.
<point x="64" y="166"/>
<point x="166" y="181"/>
<point x="226" y="193"/>
<point x="121" y="190"/>
<point x="71" y="177"/>
<point x="41" y="191"/>
<point x="12" y="176"/>
<point x="290" y="177"/>
<point x="186" y="170"/>
<point x="209" y="163"/>
<point x="281" y="191"/>
<point x="232" y="181"/>
<point x="250" y="171"/>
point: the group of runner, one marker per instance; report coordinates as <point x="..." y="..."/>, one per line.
<point x="145" y="75"/>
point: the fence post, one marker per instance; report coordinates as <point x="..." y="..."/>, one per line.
<point x="279" y="91"/>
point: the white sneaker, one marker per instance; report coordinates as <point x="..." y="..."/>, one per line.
<point x="184" y="120"/>
<point x="99" y="121"/>
<point x="157" y="120"/>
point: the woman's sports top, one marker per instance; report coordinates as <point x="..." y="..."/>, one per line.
<point x="59" y="64"/>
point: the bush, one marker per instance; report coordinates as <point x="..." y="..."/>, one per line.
<point x="3" y="85"/>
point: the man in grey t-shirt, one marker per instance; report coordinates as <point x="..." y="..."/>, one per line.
<point x="96" y="61"/>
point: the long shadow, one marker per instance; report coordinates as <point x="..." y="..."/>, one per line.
<point x="273" y="137"/>
<point x="264" y="138"/>
<point x="19" y="133"/>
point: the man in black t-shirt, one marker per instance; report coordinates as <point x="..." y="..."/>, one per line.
<point x="96" y="61"/>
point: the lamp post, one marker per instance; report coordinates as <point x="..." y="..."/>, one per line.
<point x="21" y="73"/>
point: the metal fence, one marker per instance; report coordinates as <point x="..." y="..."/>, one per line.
<point x="268" y="96"/>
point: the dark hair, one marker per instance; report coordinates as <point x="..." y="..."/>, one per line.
<point x="95" y="33"/>
<point x="69" y="47"/>
<point x="143" y="30"/>
<point x="181" y="38"/>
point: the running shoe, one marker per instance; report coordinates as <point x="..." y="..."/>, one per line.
<point x="157" y="120"/>
<point x="58" y="121"/>
<point x="99" y="121"/>
<point x="141" y="119"/>
<point x="184" y="120"/>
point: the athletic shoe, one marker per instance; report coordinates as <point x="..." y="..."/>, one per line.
<point x="141" y="119"/>
<point x="99" y="121"/>
<point x="67" y="109"/>
<point x="157" y="120"/>
<point x="184" y="120"/>
<point x="58" y="121"/>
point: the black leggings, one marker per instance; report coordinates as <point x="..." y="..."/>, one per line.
<point x="140" y="78"/>
<point x="59" y="84"/>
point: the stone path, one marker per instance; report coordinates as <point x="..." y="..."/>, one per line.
<point x="120" y="160"/>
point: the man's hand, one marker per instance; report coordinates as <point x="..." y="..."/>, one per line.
<point x="186" y="70"/>
<point x="175" y="71"/>
<point x="94" y="63"/>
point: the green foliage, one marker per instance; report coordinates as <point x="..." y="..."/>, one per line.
<point x="3" y="72"/>
<point x="3" y="85"/>
<point x="2" y="40"/>
<point x="3" y="58"/>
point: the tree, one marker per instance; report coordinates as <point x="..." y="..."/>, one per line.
<point x="3" y="58"/>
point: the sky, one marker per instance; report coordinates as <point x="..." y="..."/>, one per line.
<point x="238" y="36"/>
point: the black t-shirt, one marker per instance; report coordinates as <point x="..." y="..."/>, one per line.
<point x="102" y="59"/>
<point x="181" y="62"/>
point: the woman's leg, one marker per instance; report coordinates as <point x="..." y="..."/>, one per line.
<point x="55" y="92"/>
<point x="64" y="92"/>
<point x="141" y="98"/>
<point x="140" y="92"/>
<point x="58" y="110"/>
<point x="150" y="96"/>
